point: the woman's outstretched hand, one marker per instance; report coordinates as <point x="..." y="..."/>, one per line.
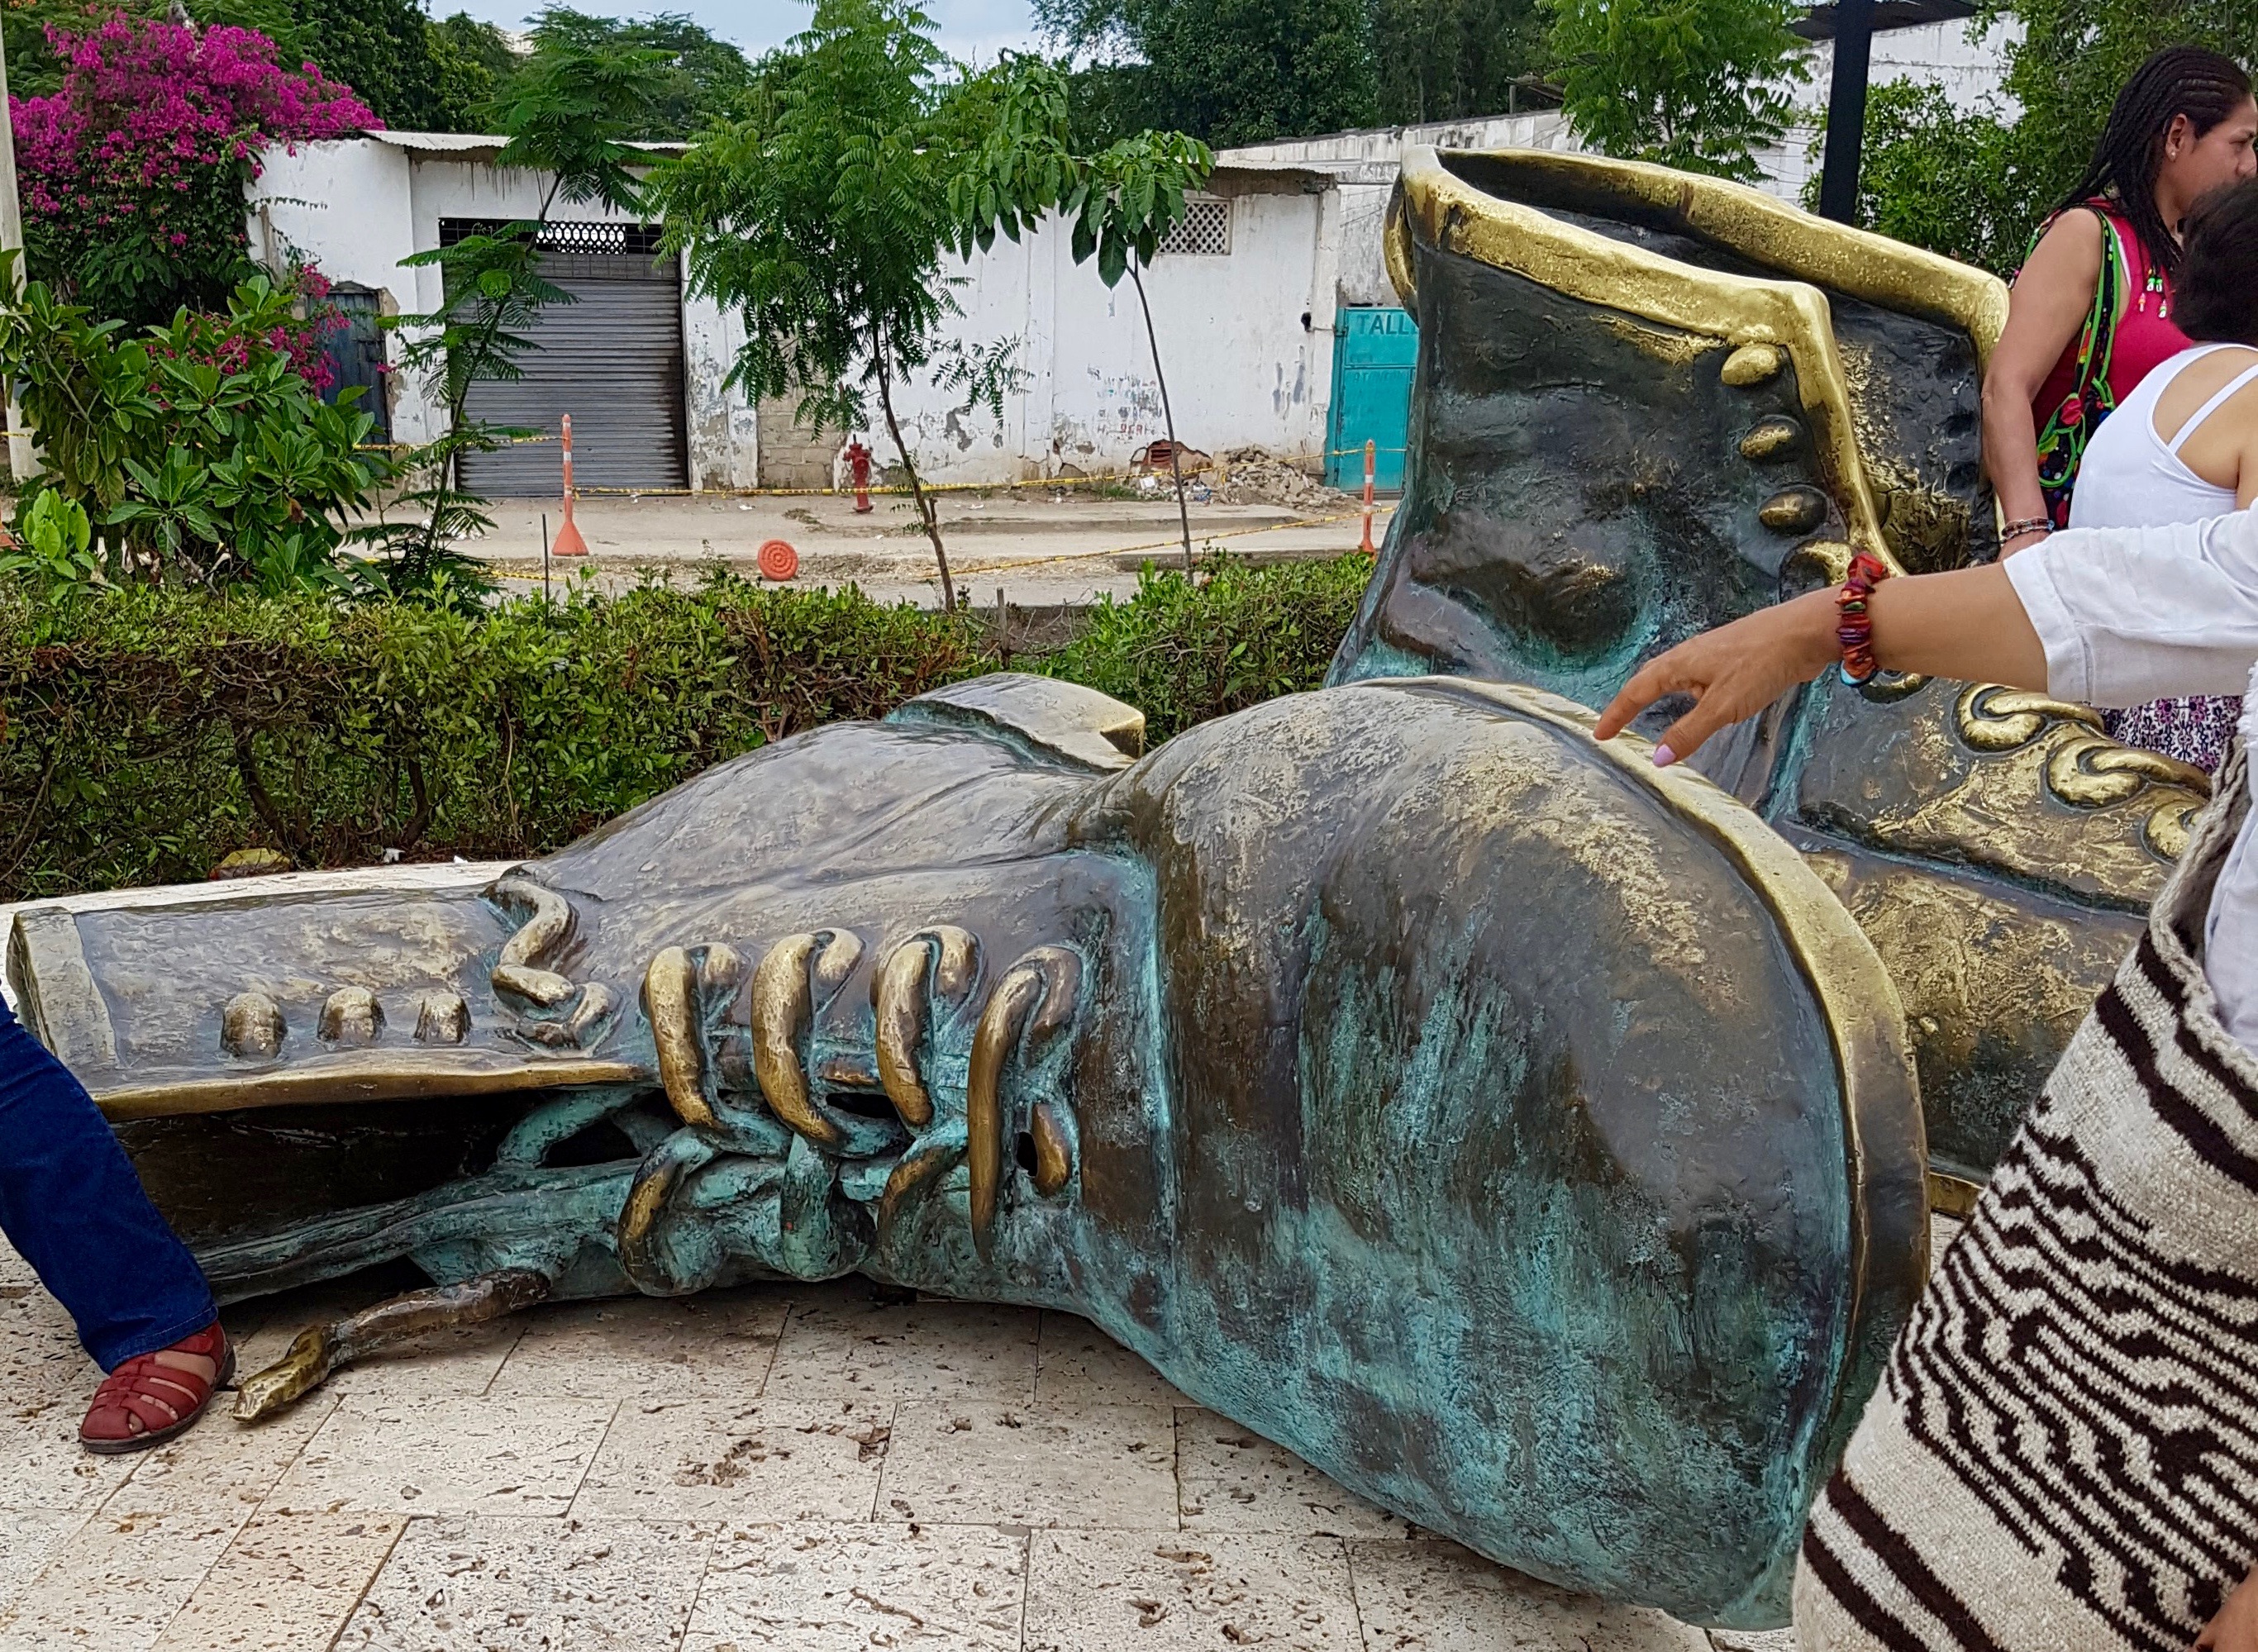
<point x="1732" y="672"/>
<point x="2235" y="1628"/>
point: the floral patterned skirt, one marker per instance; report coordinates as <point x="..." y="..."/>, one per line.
<point x="2195" y="730"/>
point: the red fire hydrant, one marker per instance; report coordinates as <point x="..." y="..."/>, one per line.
<point x="858" y="465"/>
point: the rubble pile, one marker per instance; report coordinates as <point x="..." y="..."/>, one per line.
<point x="1252" y="477"/>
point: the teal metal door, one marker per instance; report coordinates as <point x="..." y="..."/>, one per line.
<point x="1374" y="349"/>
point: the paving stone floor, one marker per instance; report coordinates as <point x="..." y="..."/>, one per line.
<point x="810" y="1468"/>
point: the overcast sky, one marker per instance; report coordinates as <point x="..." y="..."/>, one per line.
<point x="968" y="28"/>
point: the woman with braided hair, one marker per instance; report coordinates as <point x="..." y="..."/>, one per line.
<point x="2091" y="313"/>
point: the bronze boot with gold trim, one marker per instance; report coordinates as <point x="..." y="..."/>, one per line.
<point x="1646" y="404"/>
<point x="1523" y="1134"/>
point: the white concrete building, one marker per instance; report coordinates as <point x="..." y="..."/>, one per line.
<point x="1362" y="165"/>
<point x="639" y="364"/>
<point x="1241" y="298"/>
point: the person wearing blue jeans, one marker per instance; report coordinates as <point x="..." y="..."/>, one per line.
<point x="73" y="1208"/>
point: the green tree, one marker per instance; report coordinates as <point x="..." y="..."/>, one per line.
<point x="1450" y="59"/>
<point x="382" y="49"/>
<point x="827" y="213"/>
<point x="475" y="61"/>
<point x="1936" y="176"/>
<point x="1696" y="84"/>
<point x="1227" y="71"/>
<point x="699" y="79"/>
<point x="1122" y="205"/>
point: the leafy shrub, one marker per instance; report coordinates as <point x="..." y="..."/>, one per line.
<point x="56" y="555"/>
<point x="146" y="732"/>
<point x="132" y="173"/>
<point x="198" y="444"/>
<point x="1954" y="183"/>
<point x="1183" y="651"/>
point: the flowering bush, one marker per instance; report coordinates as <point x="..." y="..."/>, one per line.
<point x="194" y="450"/>
<point x="298" y="331"/>
<point x="132" y="174"/>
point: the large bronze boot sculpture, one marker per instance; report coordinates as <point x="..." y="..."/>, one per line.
<point x="1525" y="1136"/>
<point x="1647" y="403"/>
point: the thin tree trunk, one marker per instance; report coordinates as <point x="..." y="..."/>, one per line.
<point x="298" y="847"/>
<point x="917" y="488"/>
<point x="1175" y="448"/>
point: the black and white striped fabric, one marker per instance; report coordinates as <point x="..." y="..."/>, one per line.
<point x="2064" y="1450"/>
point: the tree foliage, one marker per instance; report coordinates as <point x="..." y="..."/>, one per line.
<point x="1450" y="59"/>
<point x="1697" y="84"/>
<point x="1227" y="71"/>
<point x="1122" y="204"/>
<point x="1942" y="178"/>
<point x="382" y="48"/>
<point x="697" y="79"/>
<point x="473" y="62"/>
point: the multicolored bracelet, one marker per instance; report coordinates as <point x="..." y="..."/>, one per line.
<point x="1854" y="623"/>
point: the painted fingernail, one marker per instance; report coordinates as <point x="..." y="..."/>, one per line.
<point x="1663" y="756"/>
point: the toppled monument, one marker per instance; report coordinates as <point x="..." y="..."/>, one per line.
<point x="1539" y="1143"/>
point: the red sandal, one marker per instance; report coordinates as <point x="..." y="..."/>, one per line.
<point x="146" y="1401"/>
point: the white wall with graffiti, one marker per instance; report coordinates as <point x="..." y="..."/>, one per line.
<point x="1242" y="309"/>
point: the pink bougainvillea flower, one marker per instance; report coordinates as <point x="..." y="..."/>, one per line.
<point x="151" y="112"/>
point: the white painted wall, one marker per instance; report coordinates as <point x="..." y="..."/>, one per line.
<point x="357" y="206"/>
<point x="1243" y="368"/>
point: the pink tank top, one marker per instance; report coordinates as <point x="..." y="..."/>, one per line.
<point x="2147" y="336"/>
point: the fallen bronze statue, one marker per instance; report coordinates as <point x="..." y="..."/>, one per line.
<point x="1532" y="1139"/>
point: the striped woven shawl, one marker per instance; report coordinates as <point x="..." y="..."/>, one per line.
<point x="2064" y="1450"/>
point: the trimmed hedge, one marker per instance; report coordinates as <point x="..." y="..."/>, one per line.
<point x="145" y="734"/>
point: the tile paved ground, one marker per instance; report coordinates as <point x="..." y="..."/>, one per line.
<point x="814" y="1469"/>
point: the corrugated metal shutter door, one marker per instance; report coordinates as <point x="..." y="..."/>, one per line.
<point x="613" y="361"/>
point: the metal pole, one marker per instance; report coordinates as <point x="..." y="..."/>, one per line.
<point x="1846" y="110"/>
<point x="21" y="464"/>
<point x="546" y="600"/>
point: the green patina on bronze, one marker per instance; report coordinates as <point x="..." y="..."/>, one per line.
<point x="1496" y="1123"/>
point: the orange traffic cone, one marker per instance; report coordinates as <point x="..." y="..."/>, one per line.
<point x="569" y="542"/>
<point x="1371" y="452"/>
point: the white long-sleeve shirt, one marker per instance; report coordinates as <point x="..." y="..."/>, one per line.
<point x="2129" y="616"/>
